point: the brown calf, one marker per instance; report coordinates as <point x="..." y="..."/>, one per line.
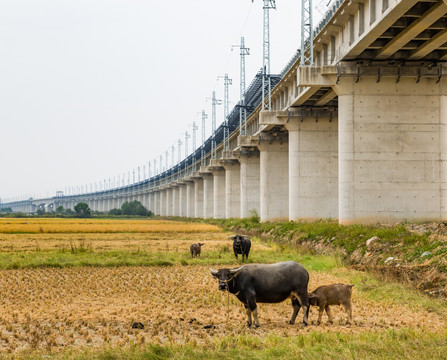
<point x="335" y="294"/>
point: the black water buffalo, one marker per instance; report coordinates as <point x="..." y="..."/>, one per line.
<point x="241" y="245"/>
<point x="196" y="249"/>
<point x="267" y="283"/>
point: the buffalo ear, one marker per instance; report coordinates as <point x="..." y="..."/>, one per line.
<point x="232" y="237"/>
<point x="214" y="272"/>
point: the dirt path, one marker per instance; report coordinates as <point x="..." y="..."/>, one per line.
<point x="58" y="308"/>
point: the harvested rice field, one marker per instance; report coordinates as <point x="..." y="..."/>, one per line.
<point x="88" y="311"/>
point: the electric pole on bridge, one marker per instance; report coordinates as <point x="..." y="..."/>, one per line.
<point x="266" y="79"/>
<point x="227" y="82"/>
<point x="194" y="136"/>
<point x="180" y="151"/>
<point x="214" y="102"/>
<point x="242" y="109"/>
<point x="202" y="151"/>
<point x="307" y="35"/>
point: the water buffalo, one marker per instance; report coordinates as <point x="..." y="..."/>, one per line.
<point x="196" y="249"/>
<point x="241" y="245"/>
<point x="335" y="294"/>
<point x="267" y="283"/>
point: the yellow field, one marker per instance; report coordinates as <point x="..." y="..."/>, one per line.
<point x="80" y="226"/>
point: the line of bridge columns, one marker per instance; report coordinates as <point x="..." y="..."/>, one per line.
<point x="383" y="157"/>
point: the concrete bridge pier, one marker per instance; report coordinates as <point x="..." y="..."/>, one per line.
<point x="232" y="186"/>
<point x="392" y="148"/>
<point x="219" y="202"/>
<point x="248" y="157"/>
<point x="274" y="177"/>
<point x="198" y="194"/>
<point x="182" y="199"/>
<point x="208" y="193"/>
<point x="163" y="207"/>
<point x="157" y="202"/>
<point x="190" y="198"/>
<point x="169" y="201"/>
<point x="175" y="200"/>
<point x="313" y="168"/>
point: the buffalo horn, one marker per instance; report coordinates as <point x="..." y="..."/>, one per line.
<point x="213" y="272"/>
<point x="235" y="271"/>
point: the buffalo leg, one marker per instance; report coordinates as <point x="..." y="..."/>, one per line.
<point x="247" y="309"/>
<point x="251" y="301"/>
<point x="348" y="312"/>
<point x="296" y="308"/>
<point x="320" y="314"/>
<point x="328" y="312"/>
<point x="304" y="302"/>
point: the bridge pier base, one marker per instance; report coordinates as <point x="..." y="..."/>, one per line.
<point x="232" y="188"/>
<point x="175" y="200"/>
<point x="313" y="168"/>
<point x="163" y="210"/>
<point x="392" y="149"/>
<point x="190" y="199"/>
<point x="198" y="195"/>
<point x="274" y="180"/>
<point x="250" y="184"/>
<point x="208" y="194"/>
<point x="182" y="199"/>
<point x="218" y="191"/>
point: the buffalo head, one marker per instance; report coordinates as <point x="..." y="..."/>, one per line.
<point x="225" y="276"/>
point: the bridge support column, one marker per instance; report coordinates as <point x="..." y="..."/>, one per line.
<point x="208" y="194"/>
<point x="175" y="200"/>
<point x="150" y="204"/>
<point x="163" y="209"/>
<point x="313" y="168"/>
<point x="218" y="191"/>
<point x="232" y="188"/>
<point x="169" y="202"/>
<point x="182" y="200"/>
<point x="392" y="149"/>
<point x="198" y="195"/>
<point x="157" y="202"/>
<point x="250" y="184"/>
<point x="274" y="180"/>
<point x="190" y="199"/>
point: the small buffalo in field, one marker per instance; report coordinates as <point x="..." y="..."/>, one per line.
<point x="267" y="283"/>
<point x="196" y="249"/>
<point x="241" y="245"/>
<point x="335" y="294"/>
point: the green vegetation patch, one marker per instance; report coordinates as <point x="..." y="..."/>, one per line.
<point x="391" y="344"/>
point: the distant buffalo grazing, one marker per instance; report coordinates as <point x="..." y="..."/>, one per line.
<point x="196" y="249"/>
<point x="241" y="245"/>
<point x="335" y="294"/>
<point x="267" y="283"/>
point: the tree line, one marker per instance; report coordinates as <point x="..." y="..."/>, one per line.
<point x="82" y="210"/>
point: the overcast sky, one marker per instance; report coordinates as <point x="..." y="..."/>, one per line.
<point x="92" y="89"/>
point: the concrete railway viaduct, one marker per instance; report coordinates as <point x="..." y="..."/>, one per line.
<point x="360" y="136"/>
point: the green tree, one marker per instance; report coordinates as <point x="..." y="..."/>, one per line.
<point x="115" y="212"/>
<point x="60" y="210"/>
<point x="134" y="208"/>
<point x="82" y="210"/>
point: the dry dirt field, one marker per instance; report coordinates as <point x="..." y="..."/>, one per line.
<point x="56" y="308"/>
